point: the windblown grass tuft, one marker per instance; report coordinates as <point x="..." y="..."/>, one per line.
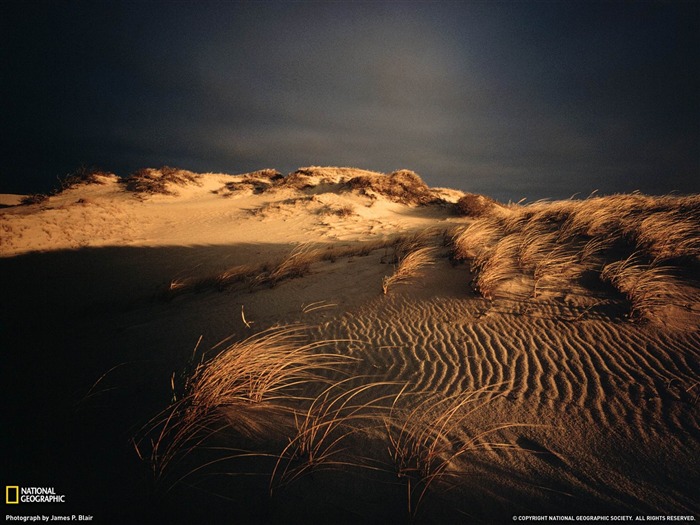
<point x="479" y="236"/>
<point x="84" y="175"/>
<point x="265" y="371"/>
<point x="323" y="430"/>
<point x="670" y="235"/>
<point x="493" y="267"/>
<point x="427" y="440"/>
<point x="410" y="267"/>
<point x="296" y="264"/>
<point x="648" y="287"/>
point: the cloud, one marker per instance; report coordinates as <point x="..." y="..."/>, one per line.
<point x="504" y="97"/>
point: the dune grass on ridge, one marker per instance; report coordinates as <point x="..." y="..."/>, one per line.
<point x="637" y="243"/>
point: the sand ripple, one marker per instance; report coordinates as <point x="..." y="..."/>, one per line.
<point x="620" y="375"/>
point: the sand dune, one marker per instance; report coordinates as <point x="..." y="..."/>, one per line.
<point x="556" y="345"/>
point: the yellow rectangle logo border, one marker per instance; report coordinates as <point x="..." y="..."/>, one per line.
<point x="7" y="494"/>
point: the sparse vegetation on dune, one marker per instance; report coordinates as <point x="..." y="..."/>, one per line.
<point x="291" y="424"/>
<point x="82" y="175"/>
<point x="536" y="249"/>
<point x="312" y="177"/>
<point x="304" y="203"/>
<point x="339" y="211"/>
<point x="296" y="264"/>
<point x="663" y="228"/>
<point x="333" y="174"/>
<point x="302" y="257"/>
<point x="34" y="198"/>
<point x="404" y="187"/>
<point x="256" y="181"/>
<point x="298" y="180"/>
<point x="220" y="281"/>
<point x="319" y="176"/>
<point x="150" y="181"/>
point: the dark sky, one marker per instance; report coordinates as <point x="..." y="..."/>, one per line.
<point x="511" y="99"/>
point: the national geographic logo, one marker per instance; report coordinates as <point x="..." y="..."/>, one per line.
<point x="14" y="494"/>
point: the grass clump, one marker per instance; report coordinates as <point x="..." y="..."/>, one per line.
<point x="270" y="404"/>
<point x="83" y="175"/>
<point x="492" y="267"/>
<point x="257" y="181"/>
<point x="259" y="368"/>
<point x="403" y="186"/>
<point x="34" y="198"/>
<point x="427" y="440"/>
<point x="479" y="236"/>
<point x="410" y="267"/>
<point x="648" y="287"/>
<point x="670" y="235"/>
<point x="474" y="205"/>
<point x="331" y="174"/>
<point x="299" y="180"/>
<point x="631" y="241"/>
<point x="151" y="181"/>
<point x="339" y="211"/>
<point x="265" y="174"/>
<point x="220" y="281"/>
<point x="246" y="381"/>
<point x="493" y="256"/>
<point x="322" y="431"/>
<point x="296" y="264"/>
<point x="556" y="270"/>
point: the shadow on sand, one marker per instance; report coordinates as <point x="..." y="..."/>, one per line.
<point x="85" y="367"/>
